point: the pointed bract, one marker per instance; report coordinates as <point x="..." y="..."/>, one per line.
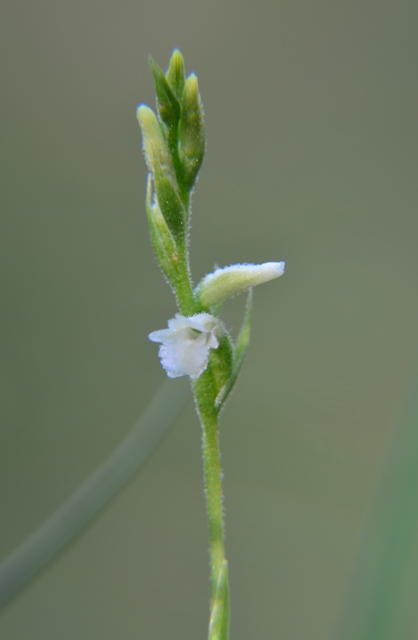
<point x="171" y="206"/>
<point x="168" y="105"/>
<point x="240" y="350"/>
<point x="165" y="247"/>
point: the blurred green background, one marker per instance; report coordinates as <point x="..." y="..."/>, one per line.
<point x="311" y="158"/>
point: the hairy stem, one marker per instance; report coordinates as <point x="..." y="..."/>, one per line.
<point x="183" y="288"/>
<point x="205" y="402"/>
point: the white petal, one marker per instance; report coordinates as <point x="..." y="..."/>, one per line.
<point x="213" y="341"/>
<point x="178" y="322"/>
<point x="159" y="336"/>
<point x="186" y="357"/>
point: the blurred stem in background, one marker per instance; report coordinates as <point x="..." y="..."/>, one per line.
<point x="379" y="606"/>
<point x="40" y="548"/>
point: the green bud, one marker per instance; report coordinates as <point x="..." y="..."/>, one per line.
<point x="227" y="282"/>
<point x="175" y="74"/>
<point x="165" y="247"/>
<point x="168" y="105"/>
<point x="156" y="151"/>
<point x="191" y="130"/>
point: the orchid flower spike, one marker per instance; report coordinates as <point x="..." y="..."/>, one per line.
<point x="185" y="345"/>
<point x="196" y="343"/>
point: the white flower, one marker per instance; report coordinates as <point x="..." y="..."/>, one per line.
<point x="185" y="344"/>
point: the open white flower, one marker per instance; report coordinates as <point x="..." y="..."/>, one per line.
<point x="185" y="344"/>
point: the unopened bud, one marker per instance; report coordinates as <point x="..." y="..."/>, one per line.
<point x="191" y="130"/>
<point x="156" y="150"/>
<point x="229" y="281"/>
<point x="175" y="74"/>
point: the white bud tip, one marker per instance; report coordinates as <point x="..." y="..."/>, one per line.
<point x="275" y="269"/>
<point x="142" y="109"/>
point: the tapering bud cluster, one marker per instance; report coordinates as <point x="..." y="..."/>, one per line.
<point x="174" y="145"/>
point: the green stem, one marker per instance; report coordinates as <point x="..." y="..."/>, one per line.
<point x="212" y="472"/>
<point x="204" y="395"/>
<point x="184" y="292"/>
<point x="186" y="301"/>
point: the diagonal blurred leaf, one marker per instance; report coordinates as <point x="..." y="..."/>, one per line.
<point x="83" y="505"/>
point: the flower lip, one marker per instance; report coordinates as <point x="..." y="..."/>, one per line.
<point x="185" y="344"/>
